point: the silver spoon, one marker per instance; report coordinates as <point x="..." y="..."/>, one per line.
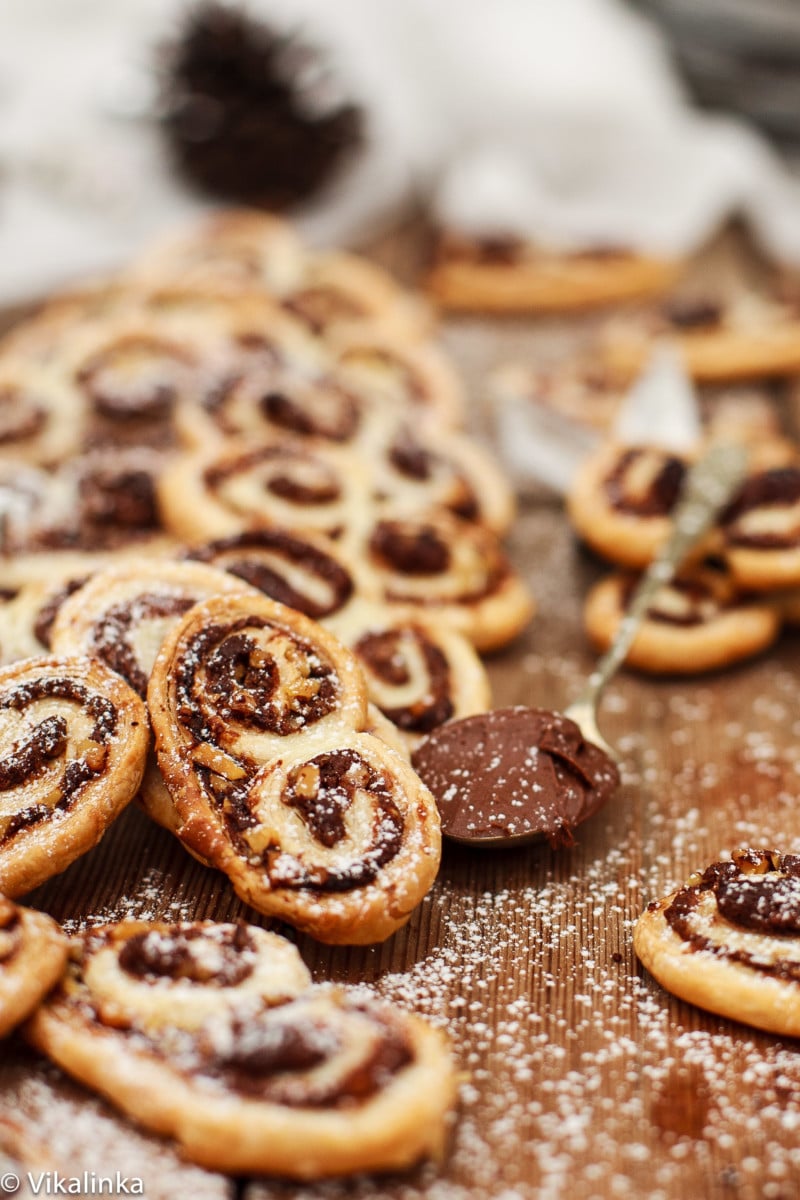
<point x="502" y="738"/>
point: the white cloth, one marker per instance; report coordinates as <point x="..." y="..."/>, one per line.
<point x="561" y="122"/>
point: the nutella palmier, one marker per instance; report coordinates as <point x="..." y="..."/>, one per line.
<point x="728" y="940"/>
<point x="720" y="338"/>
<point x="453" y="570"/>
<point x="212" y="1034"/>
<point x="300" y="570"/>
<point x="260" y="720"/>
<point x="415" y="380"/>
<point x="419" y="672"/>
<point x="286" y="482"/>
<point x="698" y="622"/>
<point x="512" y="275"/>
<point x="73" y="743"/>
<point x="42" y="417"/>
<point x="33" y="955"/>
<point x="338" y="292"/>
<point x="421" y="471"/>
<point x="622" y="498"/>
<point x="132" y="373"/>
<point x="122" y="615"/>
<point x="761" y="530"/>
<point x="232" y="249"/>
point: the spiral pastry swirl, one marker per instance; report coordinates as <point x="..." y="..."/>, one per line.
<point x="73" y="742"/>
<point x="222" y="491"/>
<point x="33" y="955"/>
<point x="260" y="718"/>
<point x="214" y="1034"/>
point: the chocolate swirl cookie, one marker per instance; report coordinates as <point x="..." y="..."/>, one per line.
<point x="419" y="672"/>
<point x="33" y="955"/>
<point x="622" y="499"/>
<point x="299" y="570"/>
<point x="73" y="742"/>
<point x="761" y="530"/>
<point x="260" y="719"/>
<point x="229" y="488"/>
<point x="699" y="622"/>
<point x="42" y="418"/>
<point x="729" y="940"/>
<point x="214" y="1035"/>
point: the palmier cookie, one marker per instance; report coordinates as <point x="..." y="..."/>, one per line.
<point x="74" y="741"/>
<point x="454" y="571"/>
<point x="621" y="500"/>
<point x="720" y="340"/>
<point x="42" y="418"/>
<point x="235" y="248"/>
<point x="122" y="615"/>
<point x="508" y="275"/>
<point x="300" y="570"/>
<point x="298" y="485"/>
<point x="415" y="380"/>
<point x="419" y="671"/>
<point x="421" y="471"/>
<point x="729" y="940"/>
<point x="761" y="530"/>
<point x="259" y="718"/>
<point x="211" y="1034"/>
<point x="33" y="955"/>
<point x="698" y="622"/>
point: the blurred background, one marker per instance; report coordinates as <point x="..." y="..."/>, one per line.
<point x="583" y="124"/>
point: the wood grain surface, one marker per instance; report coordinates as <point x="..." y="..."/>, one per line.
<point x="582" y="1078"/>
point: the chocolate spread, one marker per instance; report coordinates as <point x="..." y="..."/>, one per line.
<point x="514" y="771"/>
<point x="759" y="891"/>
<point x="693" y="313"/>
<point x="45" y="618"/>
<point x="660" y="497"/>
<point x="385" y="657"/>
<point x="239" y="555"/>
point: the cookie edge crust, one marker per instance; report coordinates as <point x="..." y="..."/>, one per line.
<point x="227" y="1133"/>
<point x="728" y="989"/>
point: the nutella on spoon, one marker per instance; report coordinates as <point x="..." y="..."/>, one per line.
<point x="516" y="775"/>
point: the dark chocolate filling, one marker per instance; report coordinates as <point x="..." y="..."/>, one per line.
<point x="47" y="741"/>
<point x="748" y="899"/>
<point x="330" y="413"/>
<point x="123" y="399"/>
<point x="418" y="550"/>
<point x="660" y="497"/>
<point x="777" y="488"/>
<point x="383" y="656"/>
<point x="241" y="684"/>
<point x="156" y="954"/>
<point x="282" y="483"/>
<point x="321" y="791"/>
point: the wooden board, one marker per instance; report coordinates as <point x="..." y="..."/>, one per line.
<point x="582" y="1078"/>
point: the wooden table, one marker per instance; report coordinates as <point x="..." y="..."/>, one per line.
<point x="583" y="1079"/>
